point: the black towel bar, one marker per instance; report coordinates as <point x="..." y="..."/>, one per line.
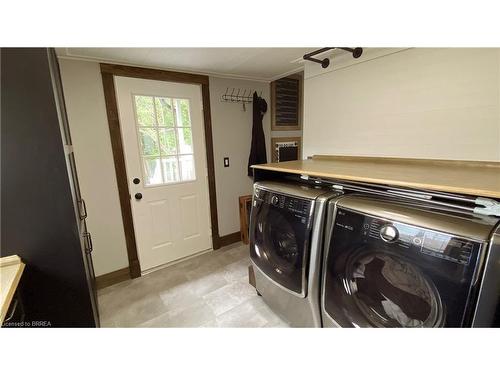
<point x="356" y="52"/>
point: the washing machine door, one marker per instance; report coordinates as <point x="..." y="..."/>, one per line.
<point x="384" y="274"/>
<point x="280" y="228"/>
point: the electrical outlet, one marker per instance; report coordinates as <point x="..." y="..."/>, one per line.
<point x="226" y="162"/>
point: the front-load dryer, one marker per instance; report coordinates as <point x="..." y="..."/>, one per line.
<point x="392" y="263"/>
<point x="286" y="237"/>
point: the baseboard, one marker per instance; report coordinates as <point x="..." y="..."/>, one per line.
<point x="229" y="239"/>
<point x="111" y="278"/>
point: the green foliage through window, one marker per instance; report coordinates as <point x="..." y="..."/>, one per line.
<point x="166" y="139"/>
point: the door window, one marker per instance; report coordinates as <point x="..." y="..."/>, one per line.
<point x="165" y="139"/>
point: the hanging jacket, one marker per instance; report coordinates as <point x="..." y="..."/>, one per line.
<point x="258" y="147"/>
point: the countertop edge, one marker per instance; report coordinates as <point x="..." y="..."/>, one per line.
<point x="14" y="282"/>
<point x="417" y="185"/>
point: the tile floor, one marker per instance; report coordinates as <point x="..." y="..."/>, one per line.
<point x="210" y="290"/>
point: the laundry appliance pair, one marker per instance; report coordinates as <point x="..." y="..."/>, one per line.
<point x="324" y="258"/>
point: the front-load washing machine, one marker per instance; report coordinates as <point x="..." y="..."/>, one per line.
<point x="286" y="238"/>
<point x="391" y="263"/>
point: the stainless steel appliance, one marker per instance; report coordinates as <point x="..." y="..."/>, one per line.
<point x="286" y="232"/>
<point x="392" y="263"/>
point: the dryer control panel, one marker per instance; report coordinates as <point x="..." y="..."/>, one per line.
<point x="406" y="237"/>
<point x="294" y="204"/>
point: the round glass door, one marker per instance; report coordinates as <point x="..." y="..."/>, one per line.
<point x="280" y="242"/>
<point x="389" y="291"/>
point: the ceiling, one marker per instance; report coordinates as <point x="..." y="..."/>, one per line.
<point x="264" y="64"/>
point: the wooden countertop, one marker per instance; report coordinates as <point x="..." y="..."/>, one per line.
<point x="453" y="176"/>
<point x="11" y="269"/>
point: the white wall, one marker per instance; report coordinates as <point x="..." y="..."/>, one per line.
<point x="89" y="130"/>
<point x="84" y="97"/>
<point x="423" y="103"/>
<point x="232" y="133"/>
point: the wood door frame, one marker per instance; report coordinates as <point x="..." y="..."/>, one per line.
<point x="108" y="72"/>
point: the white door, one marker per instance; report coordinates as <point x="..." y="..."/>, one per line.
<point x="164" y="146"/>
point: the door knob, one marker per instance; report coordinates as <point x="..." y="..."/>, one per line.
<point x="138" y="196"/>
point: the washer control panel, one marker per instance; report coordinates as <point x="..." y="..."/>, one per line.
<point x="404" y="237"/>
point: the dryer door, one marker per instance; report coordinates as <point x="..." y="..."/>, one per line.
<point x="380" y="273"/>
<point x="280" y="228"/>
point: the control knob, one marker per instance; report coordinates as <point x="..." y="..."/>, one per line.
<point x="275" y="200"/>
<point x="389" y="233"/>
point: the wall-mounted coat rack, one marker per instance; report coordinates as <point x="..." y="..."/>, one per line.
<point x="234" y="95"/>
<point x="356" y="53"/>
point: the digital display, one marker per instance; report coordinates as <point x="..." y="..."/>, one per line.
<point x="447" y="247"/>
<point x="436" y="241"/>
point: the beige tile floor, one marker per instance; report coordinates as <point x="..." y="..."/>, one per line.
<point x="210" y="290"/>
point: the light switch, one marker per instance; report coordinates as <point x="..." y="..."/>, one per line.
<point x="226" y="162"/>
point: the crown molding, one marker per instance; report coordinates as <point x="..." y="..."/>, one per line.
<point x="69" y="56"/>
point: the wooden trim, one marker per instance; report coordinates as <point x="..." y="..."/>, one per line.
<point x="275" y="127"/>
<point x="108" y="71"/>
<point x="230" y="239"/>
<point x="154" y="74"/>
<point x="121" y="173"/>
<point x="112" y="278"/>
<point x="209" y="147"/>
<point x="275" y="140"/>
<point x="243" y="217"/>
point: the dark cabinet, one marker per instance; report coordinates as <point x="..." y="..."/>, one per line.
<point x="42" y="211"/>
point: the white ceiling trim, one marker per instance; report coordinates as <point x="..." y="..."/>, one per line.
<point x="72" y="56"/>
<point x="344" y="61"/>
<point x="290" y="72"/>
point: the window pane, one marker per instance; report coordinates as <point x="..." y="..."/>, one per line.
<point x="149" y="142"/>
<point x="145" y="110"/>
<point x="187" y="167"/>
<point x="183" y="115"/>
<point x="170" y="169"/>
<point x="185" y="140"/>
<point x="164" y="111"/>
<point x="167" y="141"/>
<point x="152" y="171"/>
